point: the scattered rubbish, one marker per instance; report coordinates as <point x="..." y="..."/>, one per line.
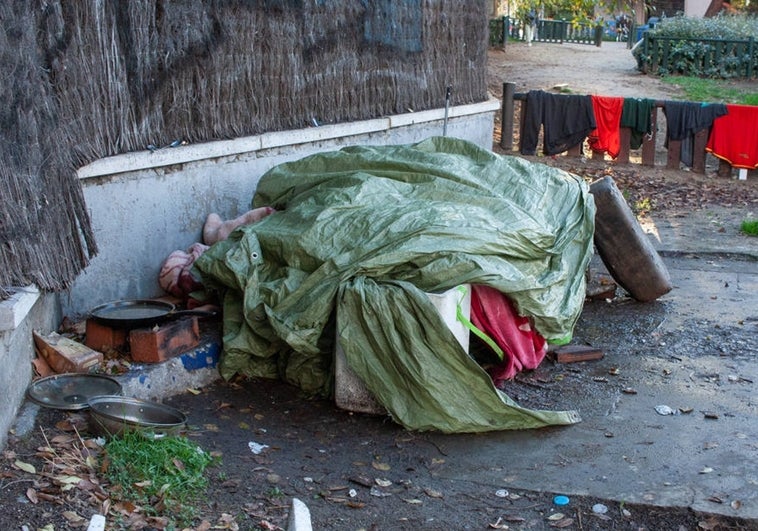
<point x="710" y="415"/>
<point x="561" y="500"/>
<point x="736" y="504"/>
<point x="629" y="391"/>
<point x="352" y="493"/>
<point x="96" y="523"/>
<point x="706" y="470"/>
<point x="599" y="508"/>
<point x="256" y="448"/>
<point x="685" y="410"/>
<point x="501" y="493"/>
<point x="556" y="516"/>
<point x="575" y="353"/>
<point x="383" y="482"/>
<point x="665" y="410"/>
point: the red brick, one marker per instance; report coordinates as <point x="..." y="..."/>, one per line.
<point x="104" y="338"/>
<point x="160" y="343"/>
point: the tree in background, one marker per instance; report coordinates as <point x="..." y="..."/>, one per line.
<point x="736" y="6"/>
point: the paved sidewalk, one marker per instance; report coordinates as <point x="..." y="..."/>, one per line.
<point x="712" y="231"/>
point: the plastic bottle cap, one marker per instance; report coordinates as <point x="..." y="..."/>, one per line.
<point x="561" y="500"/>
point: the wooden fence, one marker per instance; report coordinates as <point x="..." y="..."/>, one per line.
<point x="555" y="31"/>
<point x="649" y="142"/>
<point x="720" y="58"/>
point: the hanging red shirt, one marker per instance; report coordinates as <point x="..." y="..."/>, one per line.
<point x="734" y="137"/>
<point x="607" y="136"/>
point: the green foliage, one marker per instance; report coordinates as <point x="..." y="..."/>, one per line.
<point x="712" y="90"/>
<point x="156" y="472"/>
<point x="727" y="27"/>
<point x="750" y="227"/>
<point x="715" y="47"/>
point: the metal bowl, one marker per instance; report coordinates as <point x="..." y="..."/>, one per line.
<point x="113" y="415"/>
<point x="71" y="391"/>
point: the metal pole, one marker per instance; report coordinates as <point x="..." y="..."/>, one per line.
<point x="506" y="117"/>
<point x="448" y="91"/>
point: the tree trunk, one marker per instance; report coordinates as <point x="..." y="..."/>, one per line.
<point x="714" y="8"/>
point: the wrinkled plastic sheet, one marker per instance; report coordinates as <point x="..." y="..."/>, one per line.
<point x="364" y="232"/>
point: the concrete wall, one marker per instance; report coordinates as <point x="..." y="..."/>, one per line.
<point x="25" y="311"/>
<point x="145" y="205"/>
<point x="696" y="8"/>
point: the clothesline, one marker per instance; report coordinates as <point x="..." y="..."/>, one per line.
<point x="693" y="128"/>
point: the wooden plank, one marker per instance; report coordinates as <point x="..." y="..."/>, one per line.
<point x="626" y="138"/>
<point x="698" y="155"/>
<point x="648" y="143"/>
<point x="575" y="353"/>
<point x="725" y="169"/>
<point x="674" y="154"/>
<point x="576" y="151"/>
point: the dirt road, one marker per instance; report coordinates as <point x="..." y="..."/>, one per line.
<point x="608" y="70"/>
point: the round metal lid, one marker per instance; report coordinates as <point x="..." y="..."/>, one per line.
<point x="71" y="390"/>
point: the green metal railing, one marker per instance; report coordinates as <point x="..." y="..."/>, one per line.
<point x="555" y="31"/>
<point x="717" y="58"/>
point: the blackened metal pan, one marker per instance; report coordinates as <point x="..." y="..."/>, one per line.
<point x="140" y="313"/>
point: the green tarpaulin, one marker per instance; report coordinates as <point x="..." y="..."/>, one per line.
<point x="364" y="232"/>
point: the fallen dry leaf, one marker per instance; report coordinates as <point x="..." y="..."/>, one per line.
<point x="32" y="495"/>
<point x="73" y="518"/>
<point x="380" y="466"/>
<point x="433" y="493"/>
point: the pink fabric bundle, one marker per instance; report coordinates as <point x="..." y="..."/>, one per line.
<point x="175" y="276"/>
<point x="494" y="314"/>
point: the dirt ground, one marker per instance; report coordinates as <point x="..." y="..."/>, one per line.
<point x="365" y="472"/>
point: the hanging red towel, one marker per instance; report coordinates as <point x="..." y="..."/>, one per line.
<point x="494" y="314"/>
<point x="734" y="137"/>
<point x="607" y="136"/>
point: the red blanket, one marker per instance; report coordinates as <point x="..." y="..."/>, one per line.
<point x="734" y="137"/>
<point x="494" y="314"/>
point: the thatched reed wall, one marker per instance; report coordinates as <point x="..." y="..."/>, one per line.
<point x="92" y="78"/>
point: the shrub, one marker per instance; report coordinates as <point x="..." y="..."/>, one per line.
<point x="701" y="47"/>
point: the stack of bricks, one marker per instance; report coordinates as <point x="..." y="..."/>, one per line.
<point x="146" y="345"/>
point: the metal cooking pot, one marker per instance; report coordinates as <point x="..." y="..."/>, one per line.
<point x="140" y="313"/>
<point x="113" y="415"/>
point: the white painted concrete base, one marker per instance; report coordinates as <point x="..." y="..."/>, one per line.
<point x="145" y="205"/>
<point x="25" y="312"/>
